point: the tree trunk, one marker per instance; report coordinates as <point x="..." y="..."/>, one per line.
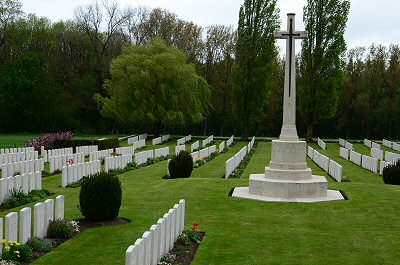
<point x="309" y="135"/>
<point x="157" y="129"/>
<point x="245" y="133"/>
<point x="205" y="127"/>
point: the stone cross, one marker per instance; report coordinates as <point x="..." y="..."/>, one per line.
<point x="289" y="131"/>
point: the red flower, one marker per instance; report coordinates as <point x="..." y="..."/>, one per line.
<point x="195" y="224"/>
<point x="193" y="228"/>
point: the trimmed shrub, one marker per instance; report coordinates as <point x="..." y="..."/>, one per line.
<point x="100" y="197"/>
<point x="181" y="166"/>
<point x="391" y="174"/>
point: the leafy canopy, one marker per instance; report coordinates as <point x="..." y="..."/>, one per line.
<point x="152" y="84"/>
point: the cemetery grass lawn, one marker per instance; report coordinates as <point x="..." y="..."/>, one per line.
<point x="362" y="230"/>
<point x="15" y="140"/>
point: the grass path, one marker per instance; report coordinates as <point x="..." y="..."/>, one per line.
<point x="362" y="230"/>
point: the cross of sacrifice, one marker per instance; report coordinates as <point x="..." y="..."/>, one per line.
<point x="289" y="131"/>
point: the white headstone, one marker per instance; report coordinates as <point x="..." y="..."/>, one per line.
<point x="161" y="238"/>
<point x="25" y="218"/>
<point x="131" y="255"/>
<point x="59" y="214"/>
<point x="155" y="244"/>
<point x="38" y="220"/>
<point x="12" y="227"/>
<point x="140" y="250"/>
<point x="48" y="213"/>
<point x="147" y="237"/>
<point x="172" y="217"/>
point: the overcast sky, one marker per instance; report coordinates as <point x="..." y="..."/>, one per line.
<point x="370" y="21"/>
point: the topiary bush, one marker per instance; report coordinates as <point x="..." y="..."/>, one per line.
<point x="181" y="166"/>
<point x="100" y="197"/>
<point x="391" y="174"/>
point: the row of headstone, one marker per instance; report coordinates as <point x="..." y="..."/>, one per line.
<point x="230" y="141"/>
<point x="179" y="149"/>
<point x="203" y="153"/>
<point x="321" y="160"/>
<point x="207" y="141"/>
<point x="232" y="163"/>
<point x="375" y="145"/>
<point x="368" y="143"/>
<point x="335" y="170"/>
<point x="156" y="141"/>
<point x="125" y="150"/>
<point x="377" y="153"/>
<point x="345" y="144"/>
<point x="344" y="153"/>
<point x="161" y="152"/>
<point x="321" y="144"/>
<point x="392" y="157"/>
<point x="17" y="150"/>
<point x="139" y="144"/>
<point x="161" y="139"/>
<point x="117" y="162"/>
<point x="330" y="166"/>
<point x="22" y="167"/>
<point x="159" y="240"/>
<point x="165" y="138"/>
<point x="86" y="150"/>
<point x="183" y="140"/>
<point x="250" y="145"/>
<point x="370" y="163"/>
<point x="25" y="183"/>
<point x="392" y="145"/>
<point x="142" y="157"/>
<point x="58" y="162"/>
<point x="20" y="229"/>
<point x="382" y="165"/>
<point x="18" y="157"/>
<point x="47" y="154"/>
<point x="221" y="147"/>
<point x="133" y="139"/>
<point x="356" y="158"/>
<point x="100" y="155"/>
<point x="74" y="173"/>
<point x="194" y="146"/>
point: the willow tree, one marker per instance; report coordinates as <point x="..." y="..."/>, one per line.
<point x="153" y="85"/>
<point x="255" y="52"/>
<point x="322" y="60"/>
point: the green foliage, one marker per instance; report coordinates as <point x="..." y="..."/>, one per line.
<point x="255" y="51"/>
<point x="14" y="251"/>
<point x="322" y="60"/>
<point x="100" y="197"/>
<point x="105" y="144"/>
<point x="62" y="229"/>
<point x="391" y="174"/>
<point x="181" y="166"/>
<point x="40" y="244"/>
<point x="153" y="84"/>
<point x="18" y="197"/>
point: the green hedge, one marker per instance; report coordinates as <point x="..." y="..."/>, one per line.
<point x="103" y="144"/>
<point x="391" y="174"/>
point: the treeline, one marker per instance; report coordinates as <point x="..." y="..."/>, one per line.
<point x="50" y="72"/>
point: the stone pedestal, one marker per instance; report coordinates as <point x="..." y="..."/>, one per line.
<point x="287" y="178"/>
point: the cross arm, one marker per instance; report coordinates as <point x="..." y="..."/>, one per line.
<point x="281" y="34"/>
<point x="301" y="35"/>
